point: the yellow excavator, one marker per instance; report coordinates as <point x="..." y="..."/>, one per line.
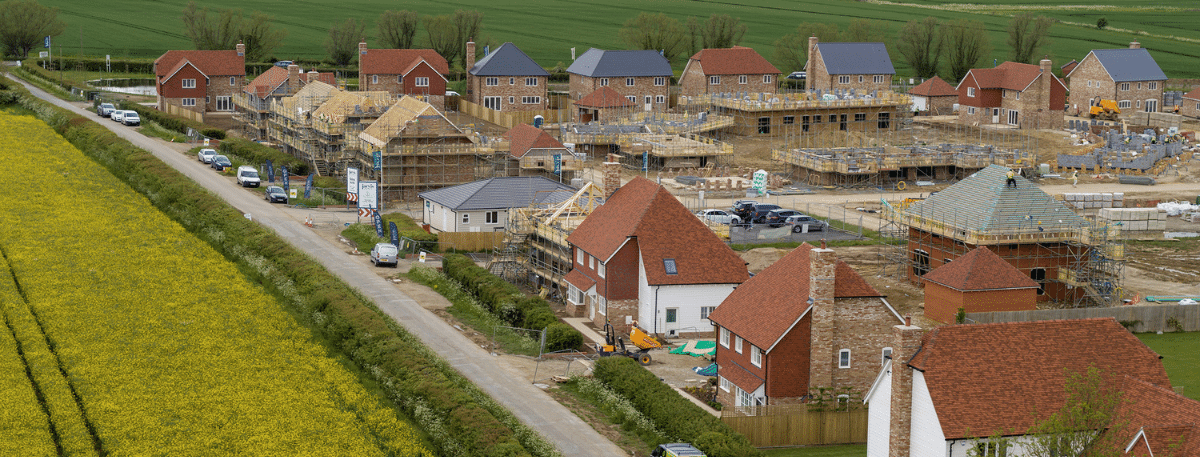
<point x="615" y="345"/>
<point x="1105" y="109"/>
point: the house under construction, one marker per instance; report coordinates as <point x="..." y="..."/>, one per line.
<point x="806" y="113"/>
<point x="639" y="149"/>
<point x="889" y="165"/>
<point x="421" y="150"/>
<point x="289" y="126"/>
<point x="535" y="241"/>
<point x="333" y="143"/>
<point x="1075" y="262"/>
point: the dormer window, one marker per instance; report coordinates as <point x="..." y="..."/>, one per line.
<point x="669" y="265"/>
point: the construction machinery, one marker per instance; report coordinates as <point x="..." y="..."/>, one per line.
<point x="1105" y="109"/>
<point x="642" y="344"/>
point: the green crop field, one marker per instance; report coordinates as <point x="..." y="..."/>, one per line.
<point x="547" y="30"/>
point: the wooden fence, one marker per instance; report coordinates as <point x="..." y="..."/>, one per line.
<point x="184" y="112"/>
<point x="470" y="241"/>
<point x="508" y="119"/>
<point x="795" y="425"/>
<point x="1151" y="318"/>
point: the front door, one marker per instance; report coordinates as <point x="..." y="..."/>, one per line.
<point x="995" y="115"/>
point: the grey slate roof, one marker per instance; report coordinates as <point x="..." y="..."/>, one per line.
<point x="499" y="193"/>
<point x="1126" y="65"/>
<point x="598" y="63"/>
<point x="982" y="202"/>
<point x="507" y="60"/>
<point x="856" y="58"/>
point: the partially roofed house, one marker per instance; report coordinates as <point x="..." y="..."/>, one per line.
<point x="841" y="67"/>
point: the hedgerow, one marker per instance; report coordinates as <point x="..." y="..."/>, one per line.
<point x="502" y="298"/>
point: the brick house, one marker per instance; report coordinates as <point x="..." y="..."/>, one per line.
<point x="200" y="81"/>
<point x="1016" y="94"/>
<point x="533" y="152"/>
<point x="601" y="105"/>
<point x="945" y="392"/>
<point x="979" y="281"/>
<point x="1130" y="76"/>
<point x="807" y="321"/>
<point x="1160" y="421"/>
<point x="642" y="256"/>
<point x="864" y="67"/>
<point x="643" y="77"/>
<point x="506" y="80"/>
<point x="417" y="72"/>
<point x="935" y="97"/>
<point x="736" y="69"/>
<point x="1191" y="104"/>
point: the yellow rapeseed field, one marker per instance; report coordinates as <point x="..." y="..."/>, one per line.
<point x="168" y="346"/>
<point x="23" y="425"/>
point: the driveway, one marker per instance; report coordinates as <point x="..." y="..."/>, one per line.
<point x="535" y="408"/>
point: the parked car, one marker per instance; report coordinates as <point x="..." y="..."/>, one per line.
<point x="206" y="155"/>
<point x="220" y="163"/>
<point x="776" y="217"/>
<point x="797" y="75"/>
<point x="117" y="115"/>
<point x="719" y="216"/>
<point x="131" y="118"/>
<point x="797" y="222"/>
<point x="385" y="254"/>
<point x="283" y="63"/>
<point x="676" y="450"/>
<point x="105" y="109"/>
<point x="275" y="194"/>
<point x="247" y="176"/>
<point x="755" y="213"/>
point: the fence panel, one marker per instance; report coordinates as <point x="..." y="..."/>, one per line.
<point x="794" y="425"/>
<point x="470" y="241"/>
<point x="1151" y="318"/>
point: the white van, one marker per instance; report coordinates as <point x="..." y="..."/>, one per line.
<point x="131" y="118"/>
<point x="247" y="176"/>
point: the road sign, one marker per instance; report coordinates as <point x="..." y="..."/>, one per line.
<point x="43" y="54"/>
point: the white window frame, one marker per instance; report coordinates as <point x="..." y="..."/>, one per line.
<point x="579" y="256"/>
<point x="844" y="358"/>
<point x="667" y="315"/>
<point x="511" y="99"/>
<point x="971" y="92"/>
<point x="399" y="79"/>
<point x="512" y="81"/>
<point x="600" y="269"/>
<point x="648" y="98"/>
<point x="724" y="383"/>
<point x="374" y="79"/>
<point x="531" y="100"/>
<point x="714" y="80"/>
<point x="884" y="354"/>
<point x="879" y="79"/>
<point x="495" y="100"/>
<point x="705" y="311"/>
<point x="189" y="83"/>
<point x="491" y="81"/>
<point x="1123" y="86"/>
<point x="1152" y="85"/>
<point x="737" y="344"/>
<point x="224" y="103"/>
<point x="1089" y="83"/>
<point x="491" y="217"/>
<point x="631" y="98"/>
<point x="724" y="337"/>
<point x="603" y="82"/>
<point x="742" y="79"/>
<point x="629" y="82"/>
<point x="660" y="80"/>
<point x="744" y="398"/>
<point x="188" y="102"/>
<point x="766" y="79"/>
<point x="466" y="218"/>
<point x="1125" y="104"/>
<point x="660" y="99"/>
<point x="232" y="81"/>
<point x="755" y="356"/>
<point x="422" y="81"/>
<point x="531" y="81"/>
<point x="970" y="110"/>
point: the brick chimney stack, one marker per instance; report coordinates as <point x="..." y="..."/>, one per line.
<point x="470" y="55"/>
<point x="1135" y="45"/>
<point x="293" y="78"/>
<point x="906" y="342"/>
<point x="823" y="355"/>
<point x="1047" y="86"/>
<point x="241" y="49"/>
<point x="612" y="175"/>
<point x="812" y="46"/>
<point x="311" y="76"/>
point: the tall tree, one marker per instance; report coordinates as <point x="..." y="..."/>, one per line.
<point x="397" y="29"/>
<point x="791" y="50"/>
<point x="448" y="34"/>
<point x="1079" y="426"/>
<point x="225" y="28"/>
<point x="23" y="24"/>
<point x="657" y="32"/>
<point x="1026" y="33"/>
<point x="719" y="31"/>
<point x="865" y="30"/>
<point x="920" y="42"/>
<point x="966" y="42"/>
<point x="342" y="43"/>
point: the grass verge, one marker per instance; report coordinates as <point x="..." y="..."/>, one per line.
<point x="1181" y="358"/>
<point x="467" y="309"/>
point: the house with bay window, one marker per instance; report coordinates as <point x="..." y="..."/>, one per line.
<point x="808" y="321"/>
<point x="642" y="256"/>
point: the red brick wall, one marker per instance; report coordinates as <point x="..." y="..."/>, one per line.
<point x="1025" y="257"/>
<point x="788" y="363"/>
<point x="941" y="302"/>
<point x="982" y="98"/>
<point x="727" y="358"/>
<point x="622" y="272"/>
<point x="436" y="87"/>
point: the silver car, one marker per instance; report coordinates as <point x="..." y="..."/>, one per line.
<point x="797" y="222"/>
<point x="719" y="216"/>
<point x="385" y="254"/>
<point x="206" y="155"/>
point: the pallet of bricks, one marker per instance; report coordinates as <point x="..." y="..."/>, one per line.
<point x="1095" y="200"/>
<point x="1136" y="222"/>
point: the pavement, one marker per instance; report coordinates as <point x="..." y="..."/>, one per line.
<point x="535" y="408"/>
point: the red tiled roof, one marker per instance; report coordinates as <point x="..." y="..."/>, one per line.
<point x="604" y="97"/>
<point x="980" y="269"/>
<point x="524" y="137"/>
<point x="1008" y="75"/>
<point x="738" y="60"/>
<point x="1194" y="94"/>
<point x="211" y="63"/>
<point x="580" y="280"/>
<point x="763" y="308"/>
<point x="1016" y="369"/>
<point x="400" y="61"/>
<point x="267" y="82"/>
<point x="741" y="377"/>
<point x="934" y="87"/>
<point x="1164" y="416"/>
<point x="327" y="78"/>
<point x="1068" y="67"/>
<point x="664" y="229"/>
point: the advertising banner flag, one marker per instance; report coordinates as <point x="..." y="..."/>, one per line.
<point x="283" y="174"/>
<point x="378" y="224"/>
<point x="395" y="234"/>
<point x="308" y="186"/>
<point x="270" y="172"/>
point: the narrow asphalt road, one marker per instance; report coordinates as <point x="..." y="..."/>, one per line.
<point x="535" y="408"/>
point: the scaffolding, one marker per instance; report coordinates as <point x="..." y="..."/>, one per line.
<point x="796" y="116"/>
<point x="336" y="125"/>
<point x="535" y="249"/>
<point x="890" y="165"/>
<point x="290" y="124"/>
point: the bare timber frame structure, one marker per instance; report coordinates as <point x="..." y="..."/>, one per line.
<point x="847" y="115"/>
<point x="535" y="247"/>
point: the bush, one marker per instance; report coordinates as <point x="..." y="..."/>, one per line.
<point x="500" y="297"/>
<point x="560" y="336"/>
<point x="167" y="121"/>
<point x="213" y="133"/>
<point x="676" y="416"/>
